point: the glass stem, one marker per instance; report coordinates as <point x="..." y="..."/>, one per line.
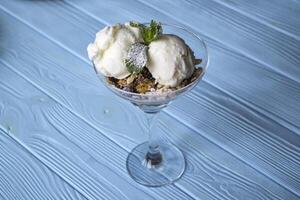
<point x="153" y="156"/>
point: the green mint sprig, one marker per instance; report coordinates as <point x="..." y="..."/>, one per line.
<point x="149" y="33"/>
<point x="131" y="67"/>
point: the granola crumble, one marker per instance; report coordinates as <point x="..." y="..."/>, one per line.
<point x="143" y="82"/>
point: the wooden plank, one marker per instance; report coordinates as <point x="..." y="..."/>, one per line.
<point x="253" y="87"/>
<point x="68" y="146"/>
<point x="245" y="70"/>
<point x="281" y="54"/>
<point x="23" y="177"/>
<point x="55" y="135"/>
<point x="259" y="146"/>
<point x="247" y="94"/>
<point x="280" y="15"/>
<point x="220" y="61"/>
<point x="44" y="69"/>
<point x="57" y="72"/>
<point x="243" y="35"/>
<point x="277" y="113"/>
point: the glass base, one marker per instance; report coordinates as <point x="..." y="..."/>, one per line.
<point x="154" y="174"/>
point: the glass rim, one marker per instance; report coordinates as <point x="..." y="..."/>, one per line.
<point x="153" y="94"/>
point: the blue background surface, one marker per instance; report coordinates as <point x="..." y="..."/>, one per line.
<point x="64" y="136"/>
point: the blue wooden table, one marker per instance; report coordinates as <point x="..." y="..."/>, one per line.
<point x="64" y="136"/>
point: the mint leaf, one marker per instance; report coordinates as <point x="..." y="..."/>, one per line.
<point x="152" y="32"/>
<point x="136" y="58"/>
<point x="130" y="66"/>
<point x="149" y="33"/>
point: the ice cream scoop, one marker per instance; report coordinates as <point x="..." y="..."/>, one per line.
<point x="170" y="60"/>
<point x="110" y="49"/>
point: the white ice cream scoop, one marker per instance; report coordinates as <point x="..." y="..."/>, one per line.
<point x="170" y="60"/>
<point x="110" y="49"/>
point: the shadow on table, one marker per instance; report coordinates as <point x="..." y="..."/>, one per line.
<point x="194" y="146"/>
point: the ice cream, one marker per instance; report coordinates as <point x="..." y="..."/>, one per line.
<point x="170" y="60"/>
<point x="110" y="49"/>
<point x="139" y="58"/>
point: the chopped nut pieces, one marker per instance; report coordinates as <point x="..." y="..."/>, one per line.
<point x="143" y="82"/>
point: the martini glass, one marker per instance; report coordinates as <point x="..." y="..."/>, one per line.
<point x="157" y="162"/>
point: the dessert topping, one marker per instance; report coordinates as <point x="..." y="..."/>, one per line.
<point x="136" y="58"/>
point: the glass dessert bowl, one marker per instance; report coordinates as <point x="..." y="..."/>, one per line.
<point x="157" y="162"/>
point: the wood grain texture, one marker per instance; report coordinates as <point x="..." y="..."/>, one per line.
<point x="246" y="43"/>
<point x="49" y="144"/>
<point x="40" y="71"/>
<point x="266" y="83"/>
<point x="267" y="102"/>
<point x="279" y="15"/>
<point x="20" y="175"/>
<point x="224" y="175"/>
<point x="219" y="65"/>
<point x="243" y="34"/>
<point x="260" y="148"/>
<point x="77" y="131"/>
<point x="220" y="59"/>
<point x="66" y="144"/>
